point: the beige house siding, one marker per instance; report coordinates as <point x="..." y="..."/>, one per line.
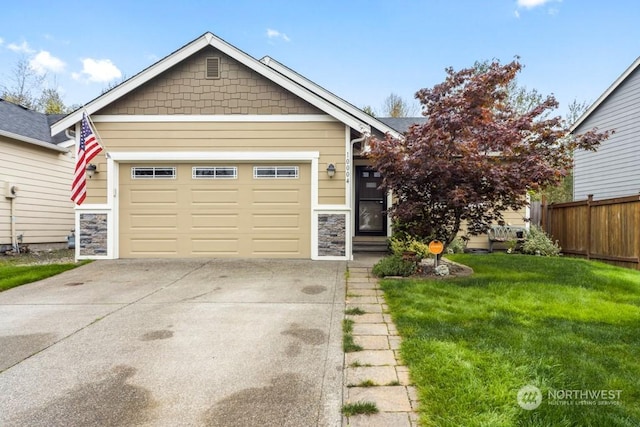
<point x="511" y="217"/>
<point x="328" y="138"/>
<point x="184" y="90"/>
<point x="44" y="213"/>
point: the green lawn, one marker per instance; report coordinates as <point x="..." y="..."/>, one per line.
<point x="12" y="274"/>
<point x="555" y="323"/>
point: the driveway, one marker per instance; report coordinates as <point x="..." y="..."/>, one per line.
<point x="175" y="343"/>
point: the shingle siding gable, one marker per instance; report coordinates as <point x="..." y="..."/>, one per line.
<point x="184" y="89"/>
<point x="613" y="170"/>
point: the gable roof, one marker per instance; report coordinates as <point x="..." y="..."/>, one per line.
<point x="606" y="94"/>
<point x="208" y="39"/>
<point x="20" y="123"/>
<point x="330" y="97"/>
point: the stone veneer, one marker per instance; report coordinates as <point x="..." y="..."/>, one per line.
<point x="183" y="89"/>
<point x="93" y="234"/>
<point x="332" y="234"/>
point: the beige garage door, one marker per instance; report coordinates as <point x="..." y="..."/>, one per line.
<point x="215" y="210"/>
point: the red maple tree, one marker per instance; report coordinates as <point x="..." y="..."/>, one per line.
<point x="475" y="156"/>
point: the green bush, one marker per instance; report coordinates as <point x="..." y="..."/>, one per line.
<point x="457" y="246"/>
<point x="403" y="242"/>
<point x="394" y="265"/>
<point x="538" y="242"/>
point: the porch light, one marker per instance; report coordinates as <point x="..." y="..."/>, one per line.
<point x="91" y="170"/>
<point x="331" y="170"/>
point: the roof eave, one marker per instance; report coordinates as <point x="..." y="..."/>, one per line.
<point x="34" y="141"/>
<point x="329" y="97"/>
<point x="605" y="95"/>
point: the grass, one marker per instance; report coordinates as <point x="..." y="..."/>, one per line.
<point x="364" y="383"/>
<point x="348" y="345"/>
<point x="357" y="408"/>
<point x="354" y="311"/>
<point x="557" y="323"/>
<point x="13" y="274"/>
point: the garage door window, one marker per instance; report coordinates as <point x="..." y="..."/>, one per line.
<point x="153" y="173"/>
<point x="260" y="172"/>
<point x="214" y="172"/>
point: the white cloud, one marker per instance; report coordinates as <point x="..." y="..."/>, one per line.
<point x="1" y="40"/>
<point x="275" y="34"/>
<point x="22" y="47"/>
<point x="97" y="70"/>
<point x="530" y="4"/>
<point x="44" y="62"/>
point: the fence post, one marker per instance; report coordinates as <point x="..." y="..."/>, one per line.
<point x="543" y="213"/>
<point x="589" y="200"/>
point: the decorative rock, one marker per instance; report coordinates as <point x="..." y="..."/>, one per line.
<point x="442" y="270"/>
<point x="331" y="234"/>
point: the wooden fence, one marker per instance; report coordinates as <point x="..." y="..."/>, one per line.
<point x="605" y="230"/>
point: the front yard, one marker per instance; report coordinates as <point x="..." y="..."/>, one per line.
<point x="26" y="268"/>
<point x="567" y="326"/>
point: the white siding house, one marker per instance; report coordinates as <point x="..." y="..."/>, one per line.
<point x="613" y="170"/>
<point x="35" y="178"/>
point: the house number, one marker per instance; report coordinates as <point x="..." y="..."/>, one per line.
<point x="347" y="168"/>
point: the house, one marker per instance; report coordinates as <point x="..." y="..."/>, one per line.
<point x="35" y="175"/>
<point x="212" y="153"/>
<point x="613" y="170"/>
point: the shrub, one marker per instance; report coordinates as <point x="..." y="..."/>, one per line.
<point x="403" y="242"/>
<point x="457" y="246"/>
<point x="394" y="265"/>
<point x="538" y="242"/>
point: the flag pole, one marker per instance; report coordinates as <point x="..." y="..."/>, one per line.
<point x="95" y="130"/>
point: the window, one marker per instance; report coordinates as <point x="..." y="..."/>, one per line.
<point x="153" y="173"/>
<point x="214" y="172"/>
<point x="275" y="172"/>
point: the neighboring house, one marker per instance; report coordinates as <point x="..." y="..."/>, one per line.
<point x="35" y="176"/>
<point x="613" y="170"/>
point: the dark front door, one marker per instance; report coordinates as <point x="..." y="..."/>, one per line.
<point x="371" y="203"/>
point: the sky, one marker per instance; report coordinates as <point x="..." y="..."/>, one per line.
<point x="360" y="50"/>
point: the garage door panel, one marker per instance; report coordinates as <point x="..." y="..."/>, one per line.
<point x="203" y="222"/>
<point x="215" y="246"/>
<point x="276" y="221"/>
<point x="276" y="245"/>
<point x="153" y="196"/>
<point x="156" y="246"/>
<point x="150" y="220"/>
<point x="215" y="197"/>
<point x="277" y="197"/>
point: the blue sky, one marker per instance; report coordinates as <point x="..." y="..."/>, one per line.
<point x="359" y="50"/>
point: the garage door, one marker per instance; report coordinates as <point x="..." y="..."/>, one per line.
<point x="215" y="210"/>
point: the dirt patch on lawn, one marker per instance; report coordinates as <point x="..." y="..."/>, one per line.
<point x="54" y="256"/>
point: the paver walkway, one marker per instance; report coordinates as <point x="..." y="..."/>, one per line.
<point x="379" y="360"/>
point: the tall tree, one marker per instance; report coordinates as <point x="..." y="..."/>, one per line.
<point x="395" y="106"/>
<point x="475" y="156"/>
<point x="50" y="102"/>
<point x="369" y="110"/>
<point x="24" y="84"/>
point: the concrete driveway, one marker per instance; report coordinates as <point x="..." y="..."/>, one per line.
<point x="175" y="343"/>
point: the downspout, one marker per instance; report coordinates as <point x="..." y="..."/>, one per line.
<point x="14" y="239"/>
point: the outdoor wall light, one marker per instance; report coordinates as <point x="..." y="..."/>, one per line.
<point x="91" y="170"/>
<point x="331" y="170"/>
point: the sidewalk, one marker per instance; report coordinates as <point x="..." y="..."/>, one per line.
<point x="379" y="360"/>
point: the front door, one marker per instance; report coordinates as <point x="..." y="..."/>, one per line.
<point x="371" y="203"/>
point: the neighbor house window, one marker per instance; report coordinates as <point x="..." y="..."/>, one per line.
<point x="214" y="172"/>
<point x="153" y="173"/>
<point x="275" y="171"/>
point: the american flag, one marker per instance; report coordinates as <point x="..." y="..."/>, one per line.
<point x="87" y="150"/>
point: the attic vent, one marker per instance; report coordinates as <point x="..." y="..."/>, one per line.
<point x="213" y="68"/>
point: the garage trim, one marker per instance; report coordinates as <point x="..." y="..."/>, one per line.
<point x="115" y="158"/>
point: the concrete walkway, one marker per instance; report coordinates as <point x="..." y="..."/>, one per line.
<point x="379" y="360"/>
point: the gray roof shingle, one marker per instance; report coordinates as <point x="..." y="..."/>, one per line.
<point x="20" y="120"/>
<point x="402" y="124"/>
